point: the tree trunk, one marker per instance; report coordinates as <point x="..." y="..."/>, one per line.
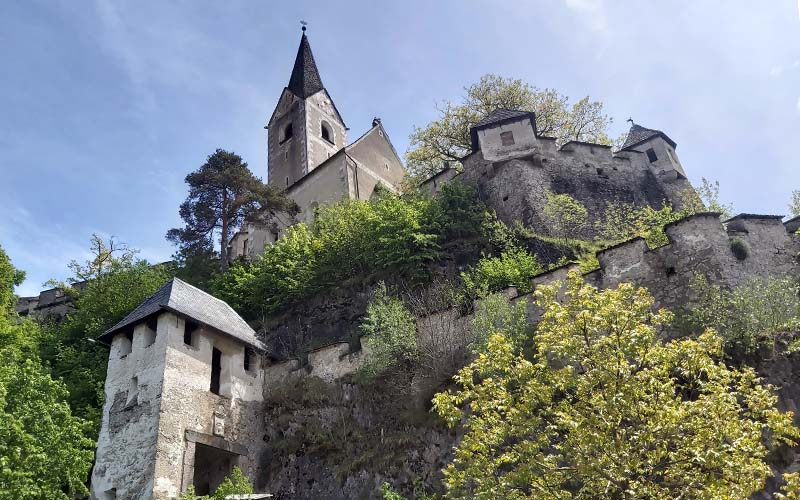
<point x="223" y="238"/>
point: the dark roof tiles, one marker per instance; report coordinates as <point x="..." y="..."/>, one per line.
<point x="184" y="299"/>
<point x="499" y="115"/>
<point x="638" y="134"/>
<point x="305" y="80"/>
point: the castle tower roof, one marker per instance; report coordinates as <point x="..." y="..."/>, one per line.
<point x="498" y="117"/>
<point x="190" y="302"/>
<point x="638" y="134"/>
<point x="305" y="80"/>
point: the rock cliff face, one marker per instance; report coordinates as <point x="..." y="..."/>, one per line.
<point x="331" y="437"/>
<point x="341" y="441"/>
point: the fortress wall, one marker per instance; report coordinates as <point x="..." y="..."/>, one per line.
<point x="697" y="244"/>
<point x="517" y="187"/>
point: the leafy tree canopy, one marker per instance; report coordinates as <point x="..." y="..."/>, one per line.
<point x="602" y="408"/>
<point x="43" y="449"/>
<point x="447" y="138"/>
<point x="223" y="194"/>
<point x="794" y="204"/>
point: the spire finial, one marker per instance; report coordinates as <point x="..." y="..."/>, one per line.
<point x="630" y="120"/>
<point x="303" y="24"/>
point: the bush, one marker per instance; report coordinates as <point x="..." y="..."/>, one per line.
<point x="235" y="484"/>
<point x="514" y="267"/>
<point x="567" y="216"/>
<point x="759" y="313"/>
<point x="388" y="234"/>
<point x="390" y="332"/>
<point x="740" y="248"/>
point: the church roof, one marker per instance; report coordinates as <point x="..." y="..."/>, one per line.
<point x="638" y="134"/>
<point x="190" y="302"/>
<point x="305" y="80"/>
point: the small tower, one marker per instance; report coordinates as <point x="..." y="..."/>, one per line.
<point x="183" y="398"/>
<point x="658" y="147"/>
<point x="305" y="129"/>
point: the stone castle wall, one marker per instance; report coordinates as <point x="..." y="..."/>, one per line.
<point x="697" y="244"/>
<point x="516" y="186"/>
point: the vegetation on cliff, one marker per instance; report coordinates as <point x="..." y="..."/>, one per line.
<point x="594" y="404"/>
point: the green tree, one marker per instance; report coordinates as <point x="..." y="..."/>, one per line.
<point x="794" y="204"/>
<point x="566" y="215"/>
<point x="390" y="333"/>
<point x="447" y="138"/>
<point x="43" y="449"/>
<point x="223" y="194"/>
<point x="69" y="348"/>
<point x="709" y="193"/>
<point x="603" y="408"/>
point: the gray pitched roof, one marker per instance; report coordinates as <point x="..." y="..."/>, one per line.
<point x="499" y="115"/>
<point x="638" y="134"/>
<point x="184" y="299"/>
<point x="305" y="80"/>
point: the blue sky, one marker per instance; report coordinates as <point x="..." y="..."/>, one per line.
<point x="106" y="106"/>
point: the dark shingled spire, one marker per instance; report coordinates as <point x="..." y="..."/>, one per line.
<point x="638" y="134"/>
<point x="305" y="80"/>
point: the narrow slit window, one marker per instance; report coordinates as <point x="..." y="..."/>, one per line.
<point x="247" y="358"/>
<point x="188" y="332"/>
<point x="651" y="155"/>
<point x="216" y="369"/>
<point x="507" y="138"/>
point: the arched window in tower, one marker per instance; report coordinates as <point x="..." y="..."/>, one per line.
<point x="286" y="133"/>
<point x="326" y="132"/>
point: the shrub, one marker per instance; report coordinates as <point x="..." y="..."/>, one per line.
<point x="759" y="313"/>
<point x="514" y="267"/>
<point x="740" y="248"/>
<point x="390" y="332"/>
<point x="352" y="238"/>
<point x="623" y="221"/>
<point x="566" y="215"/>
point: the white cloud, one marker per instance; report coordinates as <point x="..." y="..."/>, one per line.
<point x="592" y="11"/>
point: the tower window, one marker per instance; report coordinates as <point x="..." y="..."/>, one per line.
<point x="247" y="358"/>
<point x="188" y="330"/>
<point x="133" y="392"/>
<point x="326" y="132"/>
<point x="507" y="138"/>
<point x="287" y="180"/>
<point x="287" y="133"/>
<point x="216" y="369"/>
<point x="651" y="155"/>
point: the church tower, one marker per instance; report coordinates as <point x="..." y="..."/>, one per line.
<point x="305" y="129"/>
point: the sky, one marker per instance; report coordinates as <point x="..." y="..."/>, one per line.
<point x="106" y="106"/>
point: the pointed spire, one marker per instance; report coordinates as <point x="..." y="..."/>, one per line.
<point x="305" y="80"/>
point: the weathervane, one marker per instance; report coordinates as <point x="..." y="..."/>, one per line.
<point x="630" y="120"/>
<point x="303" y="24"/>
